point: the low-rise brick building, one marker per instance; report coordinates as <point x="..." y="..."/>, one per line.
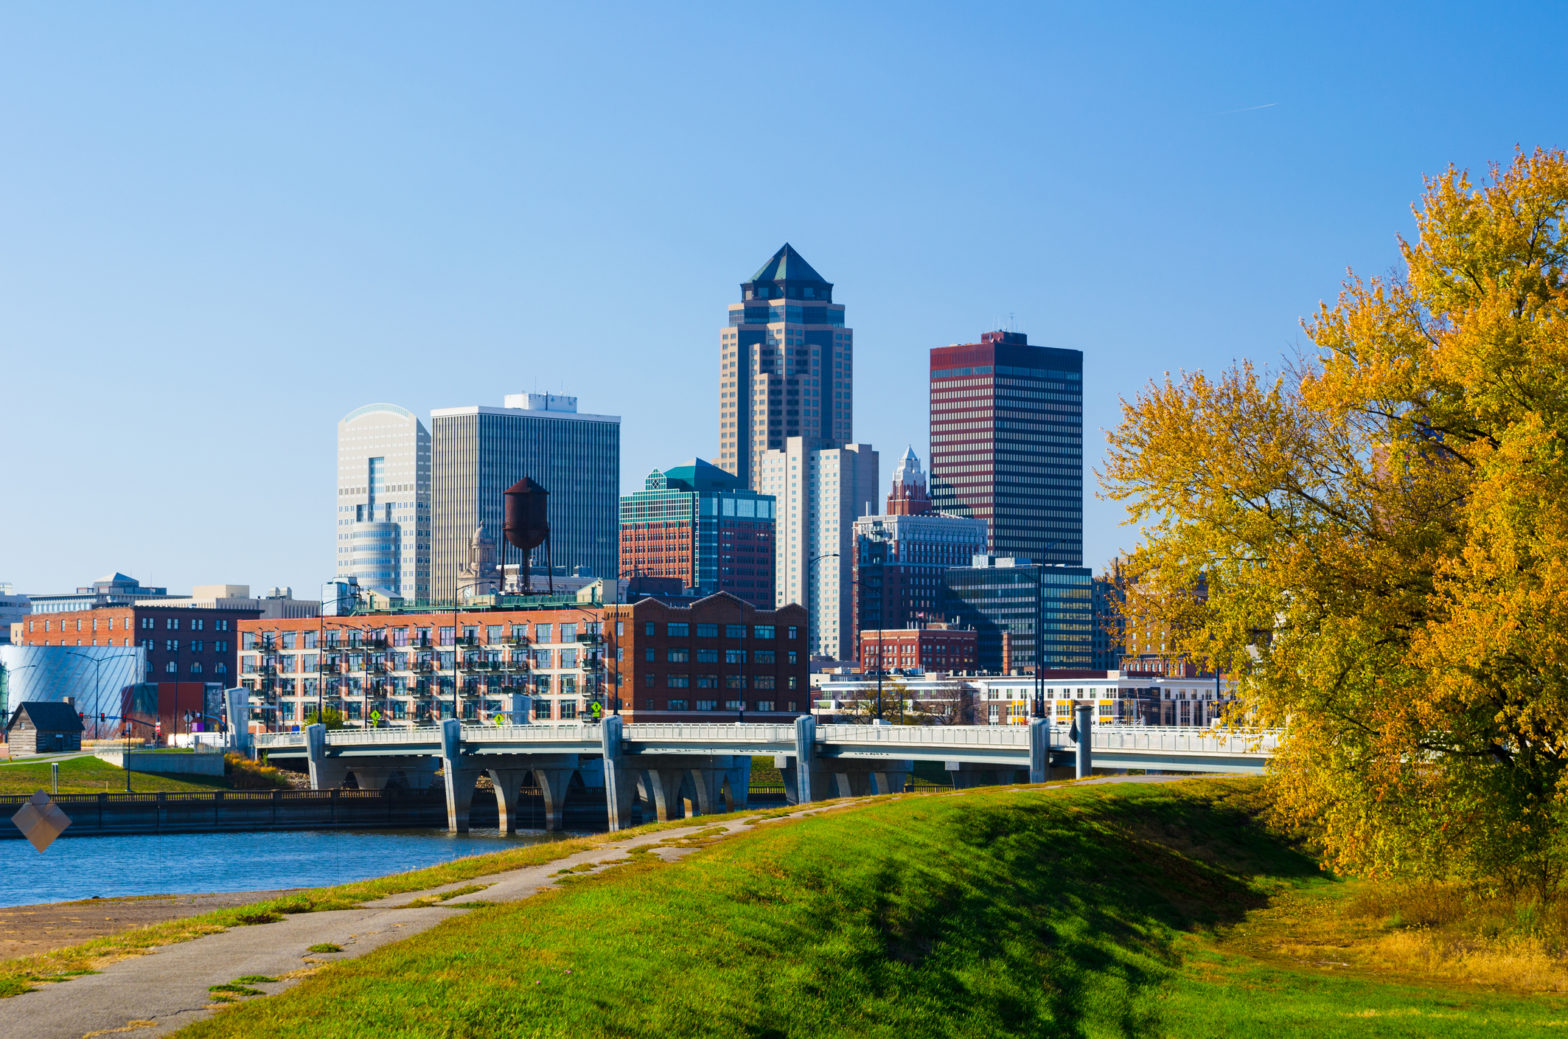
<point x="717" y="659"/>
<point x="938" y="647"/>
<point x="396" y="668"/>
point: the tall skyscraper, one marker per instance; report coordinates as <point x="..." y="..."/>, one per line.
<point x="901" y="555"/>
<point x="1007" y="444"/>
<point x="697" y="523"/>
<point x="480" y="451"/>
<point x="786" y="368"/>
<point x="820" y="491"/>
<point x="384" y="500"/>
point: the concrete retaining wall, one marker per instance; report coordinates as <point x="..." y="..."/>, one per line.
<point x="206" y="764"/>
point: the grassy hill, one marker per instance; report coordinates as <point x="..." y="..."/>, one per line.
<point x="1111" y="910"/>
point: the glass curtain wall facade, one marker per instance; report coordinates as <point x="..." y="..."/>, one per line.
<point x="697" y="523"/>
<point x="786" y="366"/>
<point x="1007" y="444"/>
<point x="481" y="451"/>
<point x="996" y="597"/>
<point x="384" y="510"/>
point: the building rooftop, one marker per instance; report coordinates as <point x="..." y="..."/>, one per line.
<point x="788" y="265"/>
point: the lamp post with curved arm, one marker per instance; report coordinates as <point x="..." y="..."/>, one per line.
<point x="1039" y="631"/>
<point x="97" y="662"/>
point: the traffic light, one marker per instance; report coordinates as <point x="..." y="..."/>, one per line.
<point x="103" y="716"/>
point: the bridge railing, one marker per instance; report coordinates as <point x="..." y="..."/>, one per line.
<point x="709" y="732"/>
<point x="927" y="735"/>
<point x="1198" y="740"/>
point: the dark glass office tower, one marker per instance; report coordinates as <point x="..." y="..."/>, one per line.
<point x="1007" y="444"/>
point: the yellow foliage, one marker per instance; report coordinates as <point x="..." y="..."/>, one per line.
<point x="1382" y="526"/>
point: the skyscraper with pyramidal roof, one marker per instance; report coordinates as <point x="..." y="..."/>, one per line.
<point x="786" y="368"/>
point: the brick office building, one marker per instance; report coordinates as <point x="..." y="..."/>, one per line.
<point x="717" y="659"/>
<point x="191" y="653"/>
<point x="935" y="648"/>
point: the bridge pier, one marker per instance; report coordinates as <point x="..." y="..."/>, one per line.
<point x="508" y="795"/>
<point x="666" y="791"/>
<point x="378" y="775"/>
<point x="553" y="784"/>
<point x="620" y="782"/>
<point x="1039" y="750"/>
<point x="459" y="776"/>
<point x="325" y="773"/>
<point x="737" y="783"/>
<point x="1085" y="763"/>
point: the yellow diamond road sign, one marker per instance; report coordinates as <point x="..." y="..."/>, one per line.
<point x="41" y="820"/>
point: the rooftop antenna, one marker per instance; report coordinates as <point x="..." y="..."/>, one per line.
<point x="1012" y="324"/>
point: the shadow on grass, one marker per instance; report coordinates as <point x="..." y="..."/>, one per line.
<point x="995" y="913"/>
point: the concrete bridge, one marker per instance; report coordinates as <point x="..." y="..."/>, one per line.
<point x="707" y="767"/>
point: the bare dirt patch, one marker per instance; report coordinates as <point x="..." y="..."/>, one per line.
<point x="25" y="930"/>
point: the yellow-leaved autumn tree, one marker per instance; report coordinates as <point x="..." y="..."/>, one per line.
<point x="1383" y="529"/>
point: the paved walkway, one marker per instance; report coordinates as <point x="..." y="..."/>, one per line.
<point x="167" y="988"/>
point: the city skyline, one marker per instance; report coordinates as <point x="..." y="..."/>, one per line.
<point x="460" y="211"/>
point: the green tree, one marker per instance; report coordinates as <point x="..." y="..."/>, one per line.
<point x="331" y="717"/>
<point x="1383" y="526"/>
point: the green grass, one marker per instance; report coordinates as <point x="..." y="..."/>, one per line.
<point x="325" y="947"/>
<point x="1089" y="911"/>
<point x="89" y="775"/>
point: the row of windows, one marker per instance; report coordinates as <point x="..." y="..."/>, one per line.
<point x="147" y="624"/>
<point x="763" y="706"/>
<point x="682" y="681"/>
<point x="682" y="630"/>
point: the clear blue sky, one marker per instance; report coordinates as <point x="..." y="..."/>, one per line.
<point x="223" y="226"/>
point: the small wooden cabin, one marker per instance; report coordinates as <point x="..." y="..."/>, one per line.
<point x="39" y="727"/>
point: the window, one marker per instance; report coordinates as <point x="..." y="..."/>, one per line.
<point x="707" y="631"/>
<point x="677" y="705"/>
<point x="707" y="705"/>
<point x="762" y="681"/>
<point x="494" y="633"/>
<point x="765" y="631"/>
<point x="734" y="705"/>
<point x="764" y="656"/>
<point x="649" y="678"/>
<point x="794" y="658"/>
<point x="196" y="645"/>
<point x="680" y="682"/>
<point x="764" y="705"/>
<point x="734" y="681"/>
<point x="734" y="631"/>
<point x="677" y="629"/>
<point x="568" y="632"/>
<point x="647" y="629"/>
<point x="568" y="709"/>
<point x="678" y="656"/>
<point x="620" y="628"/>
<point x="707" y="656"/>
<point x="794" y="633"/>
<point x="791" y="684"/>
<point x="707" y="681"/>
<point x="734" y="656"/>
<point x="544" y="633"/>
<point x="568" y="658"/>
<point x="647" y="654"/>
<point x="170" y="668"/>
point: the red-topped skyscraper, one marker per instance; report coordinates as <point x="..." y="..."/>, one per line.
<point x="1007" y="444"/>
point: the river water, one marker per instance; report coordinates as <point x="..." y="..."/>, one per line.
<point x="156" y="864"/>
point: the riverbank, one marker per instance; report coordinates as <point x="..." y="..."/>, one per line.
<point x="33" y="929"/>
<point x="1103" y="908"/>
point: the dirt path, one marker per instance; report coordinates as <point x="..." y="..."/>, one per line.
<point x="168" y="987"/>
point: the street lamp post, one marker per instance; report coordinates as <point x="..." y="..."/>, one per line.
<point x="1039" y="631"/>
<point x="97" y="686"/>
<point x="810" y="614"/>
